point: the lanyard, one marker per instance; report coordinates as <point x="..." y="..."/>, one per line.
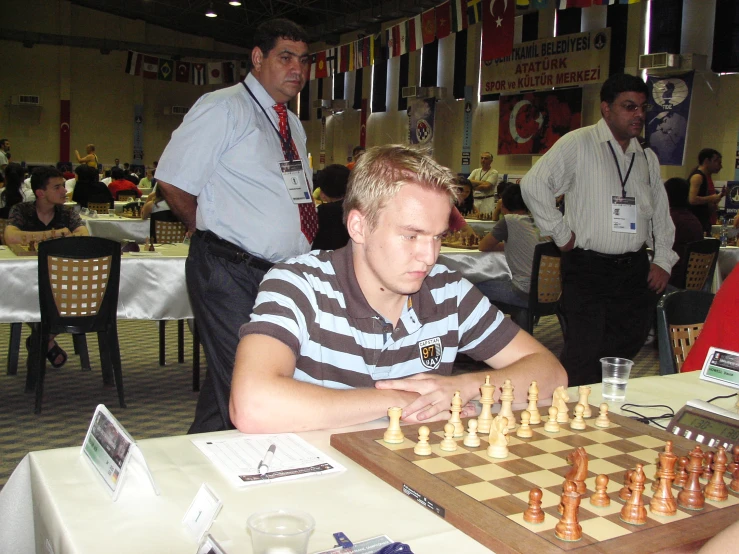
<point x="287" y="147"/>
<point x="618" y="166"/>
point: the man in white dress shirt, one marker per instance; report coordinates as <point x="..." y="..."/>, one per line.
<point x="616" y="205"/>
<point x="484" y="179"/>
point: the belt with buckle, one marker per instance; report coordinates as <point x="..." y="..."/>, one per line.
<point x="627" y="258"/>
<point x="222" y="248"/>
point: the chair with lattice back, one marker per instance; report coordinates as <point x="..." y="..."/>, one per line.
<point x="702" y="256"/>
<point x="99" y="207"/>
<point x="78" y="281"/>
<point x="124" y="198"/>
<point x="3" y="225"/>
<point x="680" y="318"/>
<point x="168" y="231"/>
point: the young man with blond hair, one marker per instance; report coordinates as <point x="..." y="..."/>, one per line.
<point x="337" y="337"/>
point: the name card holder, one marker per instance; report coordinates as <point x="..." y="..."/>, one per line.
<point x="202" y="512"/>
<point x="109" y="449"/>
<point x="722" y="367"/>
<point x="210" y="546"/>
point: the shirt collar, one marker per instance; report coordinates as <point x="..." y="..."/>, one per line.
<point x="422" y="302"/>
<point x="605" y="134"/>
<point x="259" y="92"/>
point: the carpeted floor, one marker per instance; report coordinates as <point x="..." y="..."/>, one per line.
<point x="160" y="399"/>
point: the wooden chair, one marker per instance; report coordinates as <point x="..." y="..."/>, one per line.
<point x="78" y="281"/>
<point x="167" y="231"/>
<point x="99" y="207"/>
<point x="680" y="318"/>
<point x="126" y="198"/>
<point x="702" y="256"/>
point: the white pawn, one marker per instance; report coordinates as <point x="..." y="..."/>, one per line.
<point x="524" y="431"/>
<point x="448" y="444"/>
<point x="533" y="398"/>
<point x="578" y="423"/>
<point x="455" y="419"/>
<point x="551" y="426"/>
<point x="602" y="419"/>
<point x="584" y="391"/>
<point x="423" y="448"/>
<point x="472" y="440"/>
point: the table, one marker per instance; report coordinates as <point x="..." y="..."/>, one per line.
<point x="152" y="286"/>
<point x="52" y="495"/>
<point x="728" y="256"/>
<point x="118" y="228"/>
<point x="476" y="266"/>
<point x="480" y="227"/>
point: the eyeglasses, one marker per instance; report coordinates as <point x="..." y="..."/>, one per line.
<point x="633" y="108"/>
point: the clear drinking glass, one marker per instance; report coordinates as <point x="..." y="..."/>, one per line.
<point x="280" y="531"/>
<point x="616" y="373"/>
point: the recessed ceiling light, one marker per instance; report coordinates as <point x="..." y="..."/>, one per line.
<point x="234" y="3"/>
<point x="210" y="12"/>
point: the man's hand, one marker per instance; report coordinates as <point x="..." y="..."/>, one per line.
<point x="570" y="243"/>
<point x="657" y="279"/>
<point x="435" y="398"/>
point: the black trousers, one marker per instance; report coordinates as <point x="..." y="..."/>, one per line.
<point x="607" y="306"/>
<point x="222" y="295"/>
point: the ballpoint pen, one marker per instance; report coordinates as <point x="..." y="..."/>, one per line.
<point x="263" y="466"/>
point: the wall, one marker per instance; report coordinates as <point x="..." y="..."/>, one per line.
<point x="102" y="96"/>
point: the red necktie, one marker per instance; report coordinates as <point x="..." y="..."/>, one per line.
<point x="308" y="217"/>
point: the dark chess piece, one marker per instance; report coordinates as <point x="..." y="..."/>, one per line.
<point x="707" y="466"/>
<point x="534" y="513"/>
<point x="568" y="528"/>
<point x="634" y="511"/>
<point x="716" y="487"/>
<point x="601" y="498"/>
<point x="681" y="477"/>
<point x="663" y="503"/>
<point x="691" y="497"/>
<point x="625" y="492"/>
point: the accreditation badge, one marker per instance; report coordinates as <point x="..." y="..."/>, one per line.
<point x="297" y="185"/>
<point x="623" y="214"/>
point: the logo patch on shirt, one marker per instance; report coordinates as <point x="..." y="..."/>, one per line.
<point x="430" y="351"/>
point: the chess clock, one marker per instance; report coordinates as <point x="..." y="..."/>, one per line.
<point x="706" y="424"/>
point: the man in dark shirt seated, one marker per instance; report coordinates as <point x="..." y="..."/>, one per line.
<point x="45" y="217"/>
<point x="332" y="233"/>
<point x="121" y="186"/>
<point x="688" y="227"/>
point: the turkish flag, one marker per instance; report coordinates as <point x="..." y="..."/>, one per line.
<point x="497" y="28"/>
<point x="428" y="23"/>
<point x="443" y="20"/>
<point x="321" y="68"/>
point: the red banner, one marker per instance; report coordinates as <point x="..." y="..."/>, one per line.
<point x="64" y="131"/>
<point x="497" y="29"/>
<point x="443" y="20"/>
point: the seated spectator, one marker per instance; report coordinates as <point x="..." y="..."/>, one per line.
<point x="156" y="204"/>
<point x="335" y="335"/>
<point x="517" y="235"/>
<point x="32" y="222"/>
<point x="357" y="153"/>
<point x="146" y="183"/>
<point x="499" y="204"/>
<point x="11" y="194"/>
<point x="89" y="188"/>
<point x="120" y="185"/>
<point x="465" y="200"/>
<point x="688" y="227"/>
<point x="332" y="233"/>
<point x="107" y="178"/>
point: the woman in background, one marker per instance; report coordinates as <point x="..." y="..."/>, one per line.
<point x="465" y="201"/>
<point x="156" y="204"/>
<point x="11" y="194"/>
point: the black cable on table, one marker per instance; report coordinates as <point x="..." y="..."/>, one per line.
<point x="720" y="397"/>
<point x="649" y="419"/>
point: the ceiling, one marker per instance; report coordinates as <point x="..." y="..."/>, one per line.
<point x="324" y="20"/>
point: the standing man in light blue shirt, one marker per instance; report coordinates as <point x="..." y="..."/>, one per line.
<point x="235" y="172"/>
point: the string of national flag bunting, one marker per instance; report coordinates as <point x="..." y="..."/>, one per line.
<point x="497" y="17"/>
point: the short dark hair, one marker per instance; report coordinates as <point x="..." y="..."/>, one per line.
<point x="677" y="192"/>
<point x="358" y="149"/>
<point x="333" y="180"/>
<point x="78" y="168"/>
<point x="2" y="142"/>
<point x="513" y="199"/>
<point x="41" y="175"/>
<point x="707" y="154"/>
<point x="621" y="82"/>
<point x="501" y="188"/>
<point x="269" y="32"/>
<point x="87" y="174"/>
<point x="117" y="173"/>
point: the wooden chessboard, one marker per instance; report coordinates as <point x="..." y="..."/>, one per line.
<point x="460" y="245"/>
<point x="486" y="498"/>
<point x="22" y="250"/>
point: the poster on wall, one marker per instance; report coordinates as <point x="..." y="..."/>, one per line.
<point x="421" y="121"/>
<point x="138" y="136"/>
<point x="667" y="120"/>
<point x="732" y="198"/>
<point x="531" y="123"/>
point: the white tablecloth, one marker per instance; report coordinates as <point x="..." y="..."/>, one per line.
<point x="480" y="227"/>
<point x="118" y="228"/>
<point x="476" y="266"/>
<point x="53" y="496"/>
<point x="728" y="256"/>
<point x="152" y="286"/>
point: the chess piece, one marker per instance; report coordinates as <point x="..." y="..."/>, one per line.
<point x="625" y="492"/>
<point x="602" y="419"/>
<point x="601" y="498"/>
<point x="682" y="472"/>
<point x="551" y="426"/>
<point x="393" y="435"/>
<point x="559" y="401"/>
<point x="423" y="448"/>
<point x="584" y="392"/>
<point x="578" y="423"/>
<point x="506" y="401"/>
<point x="579" y="472"/>
<point x="533" y="409"/>
<point x="691" y="497"/>
<point x="663" y="503"/>
<point x="568" y="528"/>
<point x="534" y="513"/>
<point x="472" y="440"/>
<point x="734" y="485"/>
<point x="486" y="399"/>
<point x="498" y="440"/>
<point x="524" y="431"/>
<point x="716" y="487"/>
<point x="455" y="420"/>
<point x="448" y="444"/>
<point x="707" y="466"/>
<point x="634" y="511"/>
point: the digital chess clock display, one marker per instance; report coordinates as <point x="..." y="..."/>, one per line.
<point x="706" y="424"/>
<point x="709" y="426"/>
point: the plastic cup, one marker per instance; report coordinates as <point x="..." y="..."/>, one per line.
<point x="616" y="373"/>
<point x="280" y="531"/>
